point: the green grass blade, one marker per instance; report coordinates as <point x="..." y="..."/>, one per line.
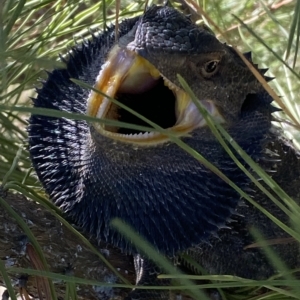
<point x="7" y="281"/>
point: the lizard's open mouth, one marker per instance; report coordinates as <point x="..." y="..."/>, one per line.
<point x="136" y="83"/>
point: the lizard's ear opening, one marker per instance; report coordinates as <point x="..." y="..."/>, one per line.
<point x="258" y="102"/>
<point x="249" y="103"/>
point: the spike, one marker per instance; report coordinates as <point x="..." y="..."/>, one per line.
<point x="92" y="32"/>
<point x="248" y="55"/>
<point x="275" y="109"/>
<point x="224" y="227"/>
<point x="230" y="220"/>
<point x="84" y="41"/>
<point x="216" y="236"/>
<point x="43" y="81"/>
<point x="263" y="70"/>
<point x="239" y="215"/>
<point x="270" y="171"/>
<point x="272" y="160"/>
<point x="63" y="59"/>
<point x="76" y="42"/>
<point x="247" y="189"/>
<point x="167" y="3"/>
<point x="268" y="78"/>
<point x="272" y="153"/>
<point x="275" y="120"/>
<point x="241" y="203"/>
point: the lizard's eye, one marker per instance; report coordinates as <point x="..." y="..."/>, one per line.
<point x="210" y="68"/>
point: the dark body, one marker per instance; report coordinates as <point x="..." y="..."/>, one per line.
<point x="168" y="197"/>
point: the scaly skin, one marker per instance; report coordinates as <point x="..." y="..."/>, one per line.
<point x="161" y="191"/>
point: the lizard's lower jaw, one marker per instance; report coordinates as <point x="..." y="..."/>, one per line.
<point x="136" y="83"/>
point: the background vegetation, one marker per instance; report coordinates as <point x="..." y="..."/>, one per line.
<point x="33" y="33"/>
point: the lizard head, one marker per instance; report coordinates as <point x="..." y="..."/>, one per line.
<point x="97" y="172"/>
<point x="141" y="70"/>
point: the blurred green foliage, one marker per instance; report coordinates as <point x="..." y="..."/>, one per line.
<point x="33" y="34"/>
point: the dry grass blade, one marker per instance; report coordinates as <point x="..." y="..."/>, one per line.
<point x="272" y="7"/>
<point x="42" y="283"/>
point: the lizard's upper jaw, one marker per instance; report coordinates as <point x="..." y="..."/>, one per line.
<point x="136" y="83"/>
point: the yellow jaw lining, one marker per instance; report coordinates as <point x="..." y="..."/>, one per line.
<point x="109" y="80"/>
<point x="124" y="70"/>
